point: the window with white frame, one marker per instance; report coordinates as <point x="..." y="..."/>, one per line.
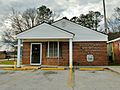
<point x="53" y="49"/>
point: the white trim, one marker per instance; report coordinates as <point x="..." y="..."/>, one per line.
<point x="44" y="37"/>
<point x="86" y="40"/>
<point x="117" y="39"/>
<point x="18" y="53"/>
<point x="17" y="45"/>
<point x="40" y="54"/>
<point x="45" y="40"/>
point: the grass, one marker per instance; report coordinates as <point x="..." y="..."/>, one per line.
<point x="6" y="62"/>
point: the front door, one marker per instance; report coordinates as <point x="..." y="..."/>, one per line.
<point x="36" y="53"/>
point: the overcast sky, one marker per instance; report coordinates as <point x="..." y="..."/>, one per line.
<point x="67" y="8"/>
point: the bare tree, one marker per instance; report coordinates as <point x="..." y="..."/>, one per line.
<point x="114" y="21"/>
<point x="24" y="21"/>
<point x="8" y="38"/>
<point x="30" y="16"/>
<point x="117" y="13"/>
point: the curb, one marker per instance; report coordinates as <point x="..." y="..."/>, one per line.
<point x="56" y="68"/>
<point x="23" y="69"/>
<point x="91" y="69"/>
<point x="20" y="69"/>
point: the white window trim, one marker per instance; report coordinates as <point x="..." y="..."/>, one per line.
<point x="48" y="52"/>
<point x="58" y="53"/>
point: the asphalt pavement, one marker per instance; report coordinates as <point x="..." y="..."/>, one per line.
<point x="59" y="80"/>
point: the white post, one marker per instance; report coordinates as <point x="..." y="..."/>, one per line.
<point x="58" y="52"/>
<point x="18" y="53"/>
<point x="70" y="54"/>
<point x="48" y="50"/>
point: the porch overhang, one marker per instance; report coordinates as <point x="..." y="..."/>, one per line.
<point x="45" y="32"/>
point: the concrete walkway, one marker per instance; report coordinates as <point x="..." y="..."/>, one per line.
<point x="114" y="68"/>
<point x="6" y="66"/>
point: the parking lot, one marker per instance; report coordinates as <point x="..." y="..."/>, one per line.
<point x="59" y="80"/>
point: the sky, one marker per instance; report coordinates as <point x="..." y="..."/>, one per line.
<point x="67" y="8"/>
<point x="62" y="8"/>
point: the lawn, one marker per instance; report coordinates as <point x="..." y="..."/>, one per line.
<point x="7" y="62"/>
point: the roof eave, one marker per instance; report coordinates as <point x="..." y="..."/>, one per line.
<point x="45" y="37"/>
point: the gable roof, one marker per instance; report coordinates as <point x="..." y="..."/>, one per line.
<point x="45" y="31"/>
<point x="81" y="33"/>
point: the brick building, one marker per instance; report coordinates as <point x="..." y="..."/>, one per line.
<point x="64" y="43"/>
<point x="114" y="51"/>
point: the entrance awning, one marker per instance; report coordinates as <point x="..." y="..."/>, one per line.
<point x="45" y="31"/>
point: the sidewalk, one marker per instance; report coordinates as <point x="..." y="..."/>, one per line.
<point x="114" y="68"/>
<point x="6" y="66"/>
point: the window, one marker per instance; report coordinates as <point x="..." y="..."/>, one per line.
<point x="53" y="49"/>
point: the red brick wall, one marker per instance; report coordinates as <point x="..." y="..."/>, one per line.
<point x="26" y="53"/>
<point x="62" y="61"/>
<point x="97" y="49"/>
<point x="116" y="49"/>
<point x="80" y="50"/>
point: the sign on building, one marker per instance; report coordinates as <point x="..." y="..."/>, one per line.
<point x="90" y="58"/>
